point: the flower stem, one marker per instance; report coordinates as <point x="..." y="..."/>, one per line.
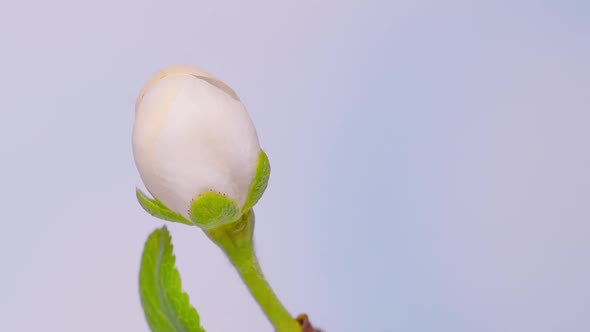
<point x="249" y="269"/>
<point x="236" y="241"/>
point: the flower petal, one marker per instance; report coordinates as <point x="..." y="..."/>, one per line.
<point x="192" y="137"/>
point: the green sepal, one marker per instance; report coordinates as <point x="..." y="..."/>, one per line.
<point x="165" y="304"/>
<point x="159" y="210"/>
<point x="259" y="183"/>
<point x="212" y="210"/>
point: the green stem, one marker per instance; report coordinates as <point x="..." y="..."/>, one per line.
<point x="236" y="241"/>
<point x="249" y="269"/>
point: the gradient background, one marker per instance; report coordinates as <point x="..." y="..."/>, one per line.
<point x="430" y="161"/>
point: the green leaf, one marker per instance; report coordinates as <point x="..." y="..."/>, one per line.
<point x="159" y="210"/>
<point x="166" y="306"/>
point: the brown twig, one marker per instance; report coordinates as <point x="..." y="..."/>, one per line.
<point x="303" y="320"/>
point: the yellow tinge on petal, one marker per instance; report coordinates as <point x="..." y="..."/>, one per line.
<point x="185" y="70"/>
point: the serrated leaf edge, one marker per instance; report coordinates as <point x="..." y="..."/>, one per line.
<point x="169" y="312"/>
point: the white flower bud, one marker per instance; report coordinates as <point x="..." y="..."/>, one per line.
<point x="192" y="135"/>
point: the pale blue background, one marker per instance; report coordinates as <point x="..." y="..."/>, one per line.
<point x="430" y="161"/>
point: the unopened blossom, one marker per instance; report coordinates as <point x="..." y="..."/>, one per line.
<point x="192" y="135"/>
